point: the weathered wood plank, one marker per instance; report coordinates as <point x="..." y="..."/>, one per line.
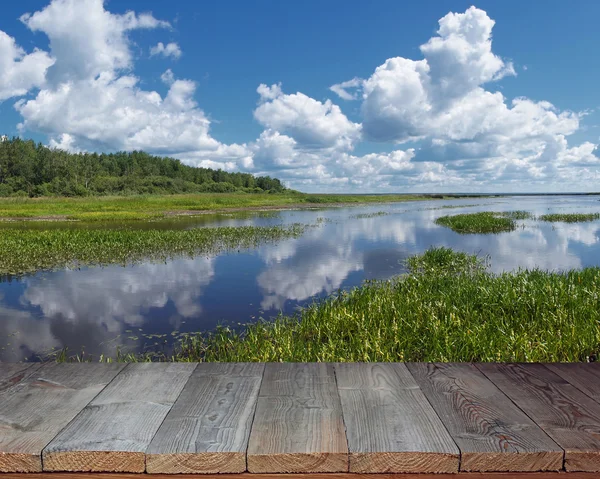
<point x="490" y="431"/>
<point x="584" y="376"/>
<point x="13" y="373"/>
<point x="208" y="428"/>
<point x="390" y="425"/>
<point x="8" y="370"/>
<point x="461" y="475"/>
<point x="40" y="401"/>
<point x="567" y="415"/>
<point x="112" y="433"/>
<point x="298" y="425"/>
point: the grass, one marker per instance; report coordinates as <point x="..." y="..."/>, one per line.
<point x="25" y="251"/>
<point x="448" y="307"/>
<point x="517" y="215"/>
<point x="485" y="222"/>
<point x="158" y="206"/>
<point x="370" y="215"/>
<point x="569" y="217"/>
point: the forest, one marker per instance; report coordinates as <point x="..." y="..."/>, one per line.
<point x="30" y="169"/>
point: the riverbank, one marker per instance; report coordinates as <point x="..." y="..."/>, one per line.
<point x="149" y="207"/>
<point x="447" y="308"/>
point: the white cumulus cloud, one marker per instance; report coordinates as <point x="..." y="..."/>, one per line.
<point x="19" y="71"/>
<point x="168" y="50"/>
<point x="311" y="123"/>
<point x="93" y="101"/>
<point x="437" y="121"/>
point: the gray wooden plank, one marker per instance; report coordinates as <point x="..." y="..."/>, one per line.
<point x="13" y="373"/>
<point x="584" y="376"/>
<point x="568" y="416"/>
<point x="43" y="400"/>
<point x="208" y="428"/>
<point x="8" y="370"/>
<point x="298" y="425"/>
<point x="112" y="433"/>
<point x="490" y="431"/>
<point x="390" y="425"/>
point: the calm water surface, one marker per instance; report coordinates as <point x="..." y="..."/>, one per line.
<point x="100" y="309"/>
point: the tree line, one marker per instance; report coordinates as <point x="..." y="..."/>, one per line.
<point x="30" y="169"/>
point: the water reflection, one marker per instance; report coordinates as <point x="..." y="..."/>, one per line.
<point x="101" y="309"/>
<point x="312" y="269"/>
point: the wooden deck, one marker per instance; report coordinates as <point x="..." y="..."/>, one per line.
<point x="315" y="420"/>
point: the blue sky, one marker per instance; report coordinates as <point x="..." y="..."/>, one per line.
<point x="437" y="115"/>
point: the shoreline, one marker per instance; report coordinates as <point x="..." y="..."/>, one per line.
<point x="142" y="215"/>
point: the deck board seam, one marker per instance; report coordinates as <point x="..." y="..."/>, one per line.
<point x="334" y="366"/>
<point x="460" y="452"/>
<point x="563" y="468"/>
<point x="77" y="415"/>
<point x="164" y="419"/>
<point x="262" y="378"/>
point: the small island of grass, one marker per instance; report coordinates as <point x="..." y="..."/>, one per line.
<point x="473" y="223"/>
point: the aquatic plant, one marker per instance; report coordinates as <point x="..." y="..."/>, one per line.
<point x="370" y="215"/>
<point x="517" y="215"/>
<point x="29" y="250"/>
<point x="569" y="217"/>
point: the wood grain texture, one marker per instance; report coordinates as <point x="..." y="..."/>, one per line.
<point x="13" y="373"/>
<point x="298" y="425"/>
<point x="490" y="431"/>
<point x="461" y="475"/>
<point x="584" y="376"/>
<point x="208" y="428"/>
<point x="37" y="402"/>
<point x="112" y="433"/>
<point x="390" y="425"/>
<point x="568" y="416"/>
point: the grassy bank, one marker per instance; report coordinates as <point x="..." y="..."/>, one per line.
<point x="158" y="206"/>
<point x="24" y="251"/>
<point x="448" y="307"/>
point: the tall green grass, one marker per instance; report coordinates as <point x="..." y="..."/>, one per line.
<point x="26" y="250"/>
<point x="448" y="307"/>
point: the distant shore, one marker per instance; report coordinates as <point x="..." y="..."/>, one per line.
<point x="149" y="207"/>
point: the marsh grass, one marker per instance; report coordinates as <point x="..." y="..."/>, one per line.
<point x="370" y="215"/>
<point x="484" y="222"/>
<point x="517" y="215"/>
<point x="448" y="307"/>
<point x="25" y="250"/>
<point x="569" y="217"/>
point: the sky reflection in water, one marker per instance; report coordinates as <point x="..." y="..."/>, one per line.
<point x="100" y="309"/>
